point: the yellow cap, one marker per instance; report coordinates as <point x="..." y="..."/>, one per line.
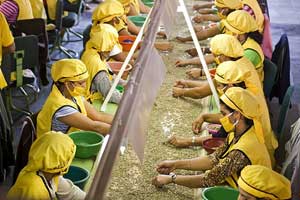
<point x="69" y="70"/>
<point x="262" y="182"/>
<point x="227" y="45"/>
<point x="52" y="152"/>
<point x="245" y="102"/>
<point x="127" y="3"/>
<point x="240" y="22"/>
<point x="103" y="37"/>
<point x="229" y="72"/>
<point x="107" y="10"/>
<point x="232" y="4"/>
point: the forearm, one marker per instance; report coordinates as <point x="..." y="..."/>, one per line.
<point x="207" y="33"/>
<point x="132" y="28"/>
<point x="191" y="181"/>
<point x="211" y="17"/>
<point x="193" y="84"/>
<point x="212" y="117"/>
<point x="194" y="164"/>
<point x="197" y="92"/>
<point x="101" y="127"/>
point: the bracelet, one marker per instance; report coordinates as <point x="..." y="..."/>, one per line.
<point x="193" y="140"/>
<point x="173" y="176"/>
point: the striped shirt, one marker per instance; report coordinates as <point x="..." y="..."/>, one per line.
<point x="10" y="10"/>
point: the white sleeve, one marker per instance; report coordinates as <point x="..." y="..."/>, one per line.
<point x="66" y="190"/>
<point x="116" y="50"/>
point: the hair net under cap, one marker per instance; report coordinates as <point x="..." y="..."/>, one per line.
<point x="240" y="22"/>
<point x="231" y="4"/>
<point x="227" y="45"/>
<point x="262" y="182"/>
<point x="103" y="37"/>
<point x="52" y="152"/>
<point x="69" y="70"/>
<point x="229" y="72"/>
<point x="245" y="102"/>
<point x="107" y="10"/>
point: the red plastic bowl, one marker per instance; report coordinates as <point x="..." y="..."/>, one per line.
<point x="116" y="66"/>
<point x="210" y="145"/>
<point x="127" y="41"/>
<point x="212" y="72"/>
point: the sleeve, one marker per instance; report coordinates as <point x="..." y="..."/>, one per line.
<point x="65" y="111"/>
<point x="233" y="163"/>
<point x="102" y="84"/>
<point x="253" y="56"/>
<point x="115" y="51"/>
<point x="68" y="191"/>
<point x="6" y="37"/>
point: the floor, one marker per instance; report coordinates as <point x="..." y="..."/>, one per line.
<point x="284" y="18"/>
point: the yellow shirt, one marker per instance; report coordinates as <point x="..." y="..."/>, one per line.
<point x="25" y="10"/>
<point x="38" y="9"/>
<point x="6" y="39"/>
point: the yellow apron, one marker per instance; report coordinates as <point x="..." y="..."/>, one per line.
<point x="252" y="44"/>
<point x="54" y="102"/>
<point x="25" y="10"/>
<point x="255" y="151"/>
<point x="254" y="85"/>
<point x="94" y="65"/>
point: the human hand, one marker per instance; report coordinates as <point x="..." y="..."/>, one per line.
<point x="181" y="84"/>
<point x="161" y="180"/>
<point x="178" y="92"/>
<point x="179" y="141"/>
<point x="165" y="167"/>
<point x="198" y="19"/>
<point x="194" y="73"/>
<point x="181" y="63"/>
<point x="197" y="124"/>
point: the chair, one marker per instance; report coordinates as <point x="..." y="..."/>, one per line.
<point x="55" y="36"/>
<point x="86" y="34"/>
<point x="36" y="27"/>
<point x="283" y="111"/>
<point x="75" y="8"/>
<point x="270" y="72"/>
<point x="28" y="135"/>
<point x="26" y="56"/>
<point x="281" y="57"/>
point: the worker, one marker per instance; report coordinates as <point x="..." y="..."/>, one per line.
<point x="259" y="182"/>
<point x="103" y="41"/>
<point x="50" y="157"/>
<point x="235" y="73"/>
<point x="112" y="12"/>
<point x="250" y="6"/>
<point x="134" y="7"/>
<point x="244" y="146"/>
<point x="38" y="9"/>
<point x="66" y="109"/>
<point x="223" y="7"/>
<point x="7" y="45"/>
<point x="241" y="25"/>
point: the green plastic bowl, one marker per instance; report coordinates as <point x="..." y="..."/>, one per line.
<point x="147" y="1"/>
<point x="149" y="4"/>
<point x="77" y="175"/>
<point x="137" y="20"/>
<point x="220" y="193"/>
<point x="120" y="88"/>
<point x="87" y="143"/>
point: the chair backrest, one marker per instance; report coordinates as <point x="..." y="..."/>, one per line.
<point x="270" y="72"/>
<point x="28" y="135"/>
<point x="283" y="111"/>
<point x="59" y="14"/>
<point x="86" y="34"/>
<point x="27" y="51"/>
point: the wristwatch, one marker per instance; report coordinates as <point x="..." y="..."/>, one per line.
<point x="173" y="177"/>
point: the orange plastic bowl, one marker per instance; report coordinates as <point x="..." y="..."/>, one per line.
<point x="116" y="67"/>
<point x="212" y="72"/>
<point x="210" y="145"/>
<point x="127" y="41"/>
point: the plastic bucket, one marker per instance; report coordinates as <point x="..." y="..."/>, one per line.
<point x="220" y="193"/>
<point x="127" y="41"/>
<point x="88" y="143"/>
<point x="116" y="67"/>
<point x="137" y="20"/>
<point x="210" y="145"/>
<point x="77" y="175"/>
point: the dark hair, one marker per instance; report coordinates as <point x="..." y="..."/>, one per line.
<point x="256" y="36"/>
<point x="226" y="107"/>
<point x="241" y="85"/>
